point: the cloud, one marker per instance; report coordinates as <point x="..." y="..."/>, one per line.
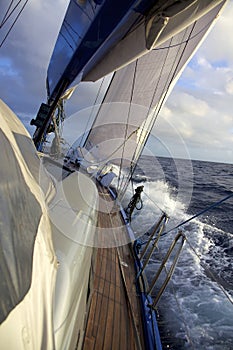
<point x="200" y="108"/>
<point x="219" y="46"/>
<point x="200" y="125"/>
<point x="26" y="53"/>
<point x="229" y="86"/>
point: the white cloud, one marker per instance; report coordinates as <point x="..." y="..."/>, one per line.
<point x="200" y="107"/>
<point x="229" y="87"/>
<point x="202" y="62"/>
<point x="27" y="50"/>
<point x="219" y="45"/>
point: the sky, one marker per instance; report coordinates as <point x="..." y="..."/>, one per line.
<point x="198" y="115"/>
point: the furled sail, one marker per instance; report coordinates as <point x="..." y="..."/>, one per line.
<point x="28" y="265"/>
<point x="136" y="94"/>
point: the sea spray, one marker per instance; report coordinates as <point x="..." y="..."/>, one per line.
<point x="194" y="311"/>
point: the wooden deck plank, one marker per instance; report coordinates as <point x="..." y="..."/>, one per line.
<point x="124" y="325"/>
<point x="97" y="312"/>
<point x="116" y="328"/>
<point x="100" y="337"/>
<point x="92" y="315"/>
<point x="109" y="325"/>
<point x="114" y="313"/>
<point x="113" y="277"/>
<point x="89" y="343"/>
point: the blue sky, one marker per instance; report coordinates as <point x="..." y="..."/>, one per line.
<point x="199" y="111"/>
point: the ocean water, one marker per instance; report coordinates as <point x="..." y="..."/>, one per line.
<point x="196" y="310"/>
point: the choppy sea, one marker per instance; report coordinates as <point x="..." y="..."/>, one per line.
<point x="196" y="310"/>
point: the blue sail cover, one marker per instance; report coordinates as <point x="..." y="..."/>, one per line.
<point x="86" y="27"/>
<point x="99" y="37"/>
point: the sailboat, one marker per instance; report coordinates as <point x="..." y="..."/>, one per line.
<point x="72" y="271"/>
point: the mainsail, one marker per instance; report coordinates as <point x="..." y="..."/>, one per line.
<point x="136" y="95"/>
<point x="100" y="37"/>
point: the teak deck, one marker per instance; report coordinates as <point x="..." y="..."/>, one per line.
<point x="114" y="319"/>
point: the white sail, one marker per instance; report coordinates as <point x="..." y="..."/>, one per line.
<point x="137" y="93"/>
<point x="27" y="259"/>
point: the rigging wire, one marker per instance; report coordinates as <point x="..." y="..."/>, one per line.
<point x="127" y="123"/>
<point x="5" y="16"/>
<point x="162" y="211"/>
<point x="134" y="155"/>
<point x="99" y="108"/>
<point x="90" y="115"/>
<point x="164" y="93"/>
<point x="106" y="160"/>
<point x="196" y="215"/>
<point x="199" y="213"/>
<point x="11" y="27"/>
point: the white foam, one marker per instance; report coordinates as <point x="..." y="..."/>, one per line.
<point x="203" y="313"/>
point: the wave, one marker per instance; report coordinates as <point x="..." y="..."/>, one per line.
<point x="195" y="298"/>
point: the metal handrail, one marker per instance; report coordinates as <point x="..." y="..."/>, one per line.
<point x="163" y="216"/>
<point x="170" y="272"/>
<point x="159" y="226"/>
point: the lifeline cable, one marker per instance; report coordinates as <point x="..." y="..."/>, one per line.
<point x="200" y="213"/>
<point x="11" y="27"/>
<point x="162" y="211"/>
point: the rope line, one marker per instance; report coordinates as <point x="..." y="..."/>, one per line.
<point x="91" y="114"/>
<point x="153" y="202"/>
